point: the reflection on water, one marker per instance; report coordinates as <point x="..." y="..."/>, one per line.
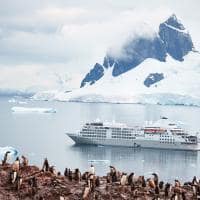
<point x="168" y="163"/>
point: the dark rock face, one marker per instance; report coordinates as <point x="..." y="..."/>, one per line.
<point x="172" y="39"/>
<point x="95" y="74"/>
<point x="153" y="78"/>
<point x="173" y="21"/>
<point x="136" y="52"/>
<point x="177" y="42"/>
<point x="108" y="61"/>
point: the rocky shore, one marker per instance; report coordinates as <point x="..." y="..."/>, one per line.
<point x="20" y="180"/>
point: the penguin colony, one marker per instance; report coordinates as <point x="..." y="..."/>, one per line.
<point x="19" y="180"/>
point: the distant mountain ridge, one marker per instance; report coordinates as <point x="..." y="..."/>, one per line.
<point x="172" y="38"/>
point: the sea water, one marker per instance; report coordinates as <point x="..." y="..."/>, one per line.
<point x="38" y="135"/>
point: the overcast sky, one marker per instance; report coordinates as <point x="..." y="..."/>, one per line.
<point x="44" y="42"/>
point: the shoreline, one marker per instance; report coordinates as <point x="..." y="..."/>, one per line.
<point x="33" y="182"/>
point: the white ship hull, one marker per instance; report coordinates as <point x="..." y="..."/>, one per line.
<point x="132" y="143"/>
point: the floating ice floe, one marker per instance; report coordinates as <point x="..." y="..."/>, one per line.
<point x="12" y="101"/>
<point x="99" y="161"/>
<point x="3" y="150"/>
<point x="22" y="102"/>
<point x="16" y="101"/>
<point x="17" y="109"/>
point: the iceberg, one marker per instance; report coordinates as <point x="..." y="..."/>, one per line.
<point x="22" y="102"/>
<point x="99" y="161"/>
<point x="12" y="101"/>
<point x="16" y="101"/>
<point x="17" y="109"/>
<point x="3" y="150"/>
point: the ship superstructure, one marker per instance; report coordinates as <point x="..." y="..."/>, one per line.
<point x="160" y="134"/>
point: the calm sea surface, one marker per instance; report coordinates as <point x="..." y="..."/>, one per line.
<point x="43" y="135"/>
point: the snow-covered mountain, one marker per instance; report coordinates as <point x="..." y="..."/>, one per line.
<point x="159" y="67"/>
<point x="171" y="39"/>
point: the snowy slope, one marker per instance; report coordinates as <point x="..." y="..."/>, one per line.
<point x="144" y="42"/>
<point x="180" y="85"/>
<point x="162" y="68"/>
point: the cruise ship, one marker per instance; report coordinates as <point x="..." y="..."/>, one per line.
<point x="161" y="134"/>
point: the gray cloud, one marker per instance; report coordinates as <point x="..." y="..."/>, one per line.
<point x="68" y="37"/>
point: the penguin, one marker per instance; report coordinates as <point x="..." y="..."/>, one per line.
<point x="24" y="161"/>
<point x="112" y="170"/>
<point x="196" y="190"/>
<point x="77" y="175"/>
<point x="108" y="178"/>
<point x="155" y="178"/>
<point x="137" y="179"/>
<point x="177" y="183"/>
<point x="151" y="183"/>
<point x="70" y="175"/>
<point x="167" y="189"/>
<point x="161" y="184"/>
<point x="177" y="190"/>
<point x="91" y="181"/>
<point x="13" y="176"/>
<point x="183" y="195"/>
<point x="143" y="182"/>
<point x="4" y="161"/>
<point x="33" y="182"/>
<point x="157" y="190"/>
<point x="66" y="172"/>
<point x="92" y="169"/>
<point x="52" y="169"/>
<point x="97" y="181"/>
<point x="86" y="193"/>
<point x="194" y="181"/>
<point x="130" y="178"/>
<point x="45" y="166"/>
<point x="114" y="177"/>
<point x="16" y="179"/>
<point x="59" y="174"/>
<point x="123" y="179"/>
<point x="85" y="176"/>
<point x="19" y="182"/>
<point x="16" y="165"/>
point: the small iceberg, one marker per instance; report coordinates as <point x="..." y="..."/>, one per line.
<point x="99" y="161"/>
<point x="18" y="109"/>
<point x="12" y="101"/>
<point x="16" y="101"/>
<point x="22" y="102"/>
<point x="3" y="150"/>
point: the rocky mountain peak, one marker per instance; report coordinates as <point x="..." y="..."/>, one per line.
<point x="174" y="22"/>
<point x="172" y="39"/>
